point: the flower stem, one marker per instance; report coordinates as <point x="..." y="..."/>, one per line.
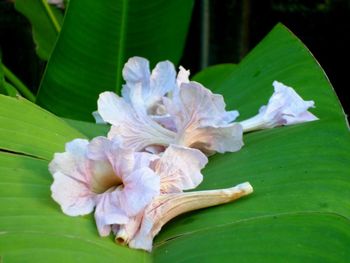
<point x="23" y="89"/>
<point x="52" y="16"/>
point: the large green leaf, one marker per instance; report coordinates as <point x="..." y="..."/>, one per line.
<point x="294" y="170"/>
<point x="96" y="40"/>
<point x="46" y="21"/>
<point x="32" y="227"/>
<point x="299" y="211"/>
<point x="28" y="129"/>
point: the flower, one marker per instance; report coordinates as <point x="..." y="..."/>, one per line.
<point x="165" y="207"/>
<point x="285" y="107"/>
<point x="144" y="89"/>
<point x="178" y="169"/>
<point x="201" y="120"/>
<point x="103" y="174"/>
<point x="157" y="110"/>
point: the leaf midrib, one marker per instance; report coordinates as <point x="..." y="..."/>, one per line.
<point x="122" y="40"/>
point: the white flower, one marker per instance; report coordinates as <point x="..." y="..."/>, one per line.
<point x="201" y="120"/>
<point x="165" y="207"/>
<point x="144" y="89"/>
<point x="178" y="169"/>
<point x="160" y="109"/>
<point x="285" y="107"/>
<point x="102" y="174"/>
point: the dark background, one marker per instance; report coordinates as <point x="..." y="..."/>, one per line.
<point x="221" y="31"/>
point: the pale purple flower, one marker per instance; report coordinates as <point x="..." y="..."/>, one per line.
<point x="179" y="169"/>
<point x="285" y="107"/>
<point x="201" y="120"/>
<point x="144" y="89"/>
<point x="160" y="109"/>
<point x="103" y="174"/>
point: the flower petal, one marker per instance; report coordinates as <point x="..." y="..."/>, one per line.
<point x="179" y="169"/>
<point x="162" y="81"/>
<point x="291" y="105"/>
<point x="108" y="212"/>
<point x="136" y="70"/>
<point x="72" y="195"/>
<point x="201" y="120"/>
<point x="140" y="187"/>
<point x="134" y="129"/>
<point x="285" y="107"/>
<point x="72" y="179"/>
<point x="182" y="76"/>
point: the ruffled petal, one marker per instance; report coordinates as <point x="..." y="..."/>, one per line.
<point x="285" y="107"/>
<point x="72" y="178"/>
<point x="179" y="169"/>
<point x="134" y="129"/>
<point x="72" y="195"/>
<point x="290" y="104"/>
<point x="140" y="187"/>
<point x="108" y="212"/>
<point x="136" y="70"/>
<point x="162" y="81"/>
<point x="213" y="139"/>
<point x="201" y="120"/>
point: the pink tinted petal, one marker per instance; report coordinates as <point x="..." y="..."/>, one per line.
<point x="121" y="159"/>
<point x="97" y="148"/>
<point x="143" y="239"/>
<point x="140" y="187"/>
<point x="134" y="129"/>
<point x="167" y="121"/>
<point x="108" y="212"/>
<point x="213" y="139"/>
<point x="124" y="233"/>
<point x="162" y="80"/>
<point x="202" y="121"/>
<point x="144" y="159"/>
<point x="198" y="106"/>
<point x="73" y="162"/>
<point x="73" y="196"/>
<point x="179" y="169"/>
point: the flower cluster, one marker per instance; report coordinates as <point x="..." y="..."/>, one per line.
<point x="162" y="130"/>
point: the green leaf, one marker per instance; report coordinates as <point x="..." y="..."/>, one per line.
<point x="298" y="169"/>
<point x="214" y="76"/>
<point x="45" y="20"/>
<point x="299" y="212"/>
<point x="29" y="129"/>
<point x="89" y="129"/>
<point x="96" y="40"/>
<point x="33" y="229"/>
